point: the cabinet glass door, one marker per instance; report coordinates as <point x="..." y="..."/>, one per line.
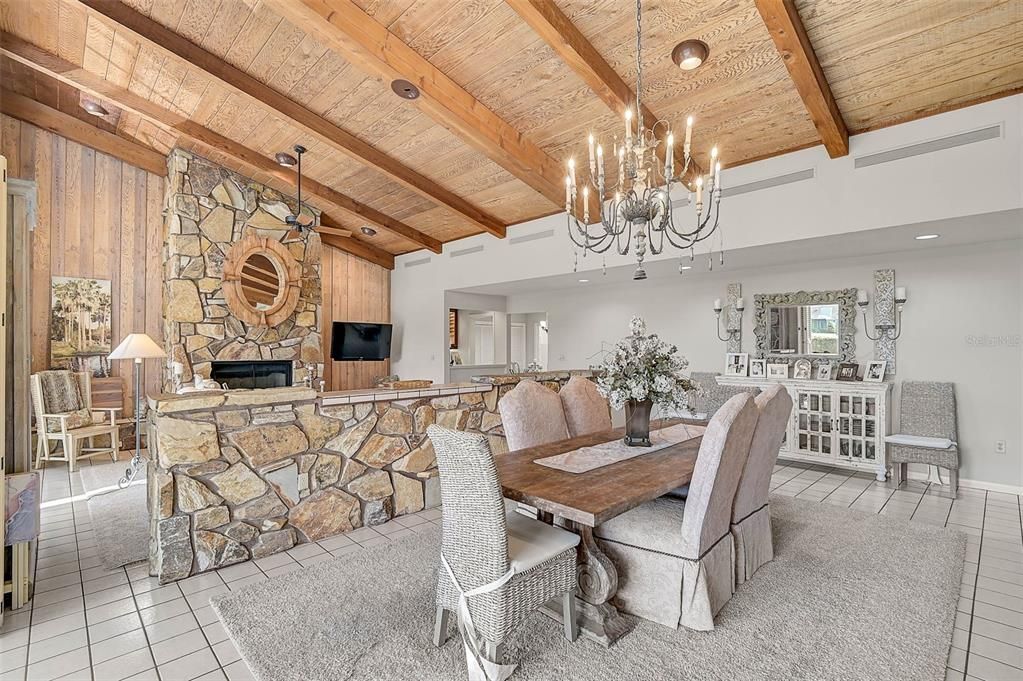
<point x="857" y="428"/>
<point x="813" y="423"/>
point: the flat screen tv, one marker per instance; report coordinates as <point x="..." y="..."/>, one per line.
<point x="360" y="342"/>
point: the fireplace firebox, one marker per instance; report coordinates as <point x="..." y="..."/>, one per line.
<point x="252" y="374"/>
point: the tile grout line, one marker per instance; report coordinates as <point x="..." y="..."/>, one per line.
<point x="973" y="599"/>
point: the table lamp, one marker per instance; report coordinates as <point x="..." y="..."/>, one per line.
<point x="136" y="346"/>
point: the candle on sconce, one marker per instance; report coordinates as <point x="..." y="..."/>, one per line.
<point x="740" y="304"/>
<point x="900" y="293"/>
<point x="861" y="297"/>
<point x="592" y="168"/>
<point x="586" y="204"/>
<point x="699" y="192"/>
<point x="717" y="305"/>
<point x="717" y="175"/>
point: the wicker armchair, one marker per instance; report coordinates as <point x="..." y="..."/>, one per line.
<point x="927" y="431"/>
<point x="482" y="543"/>
<point x="62" y="402"/>
<point x="714" y="395"/>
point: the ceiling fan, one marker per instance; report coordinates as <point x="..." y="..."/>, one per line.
<point x="303" y="221"/>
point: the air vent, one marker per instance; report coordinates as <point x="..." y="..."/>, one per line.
<point x="988" y="133"/>
<point x="466" y="251"/>
<point x="419" y="261"/>
<point x="778" y="181"/>
<point x="531" y="237"/>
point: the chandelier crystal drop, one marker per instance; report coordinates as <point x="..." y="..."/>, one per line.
<point x="636" y="210"/>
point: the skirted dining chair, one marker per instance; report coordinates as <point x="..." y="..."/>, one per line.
<point x="751" y="515"/>
<point x="675" y="558"/>
<point x="586" y="410"/>
<point x="497" y="567"/>
<point x="532" y="415"/>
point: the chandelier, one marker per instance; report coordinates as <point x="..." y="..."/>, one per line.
<point x="636" y="209"/>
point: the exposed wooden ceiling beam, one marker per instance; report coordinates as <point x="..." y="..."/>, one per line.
<point x="374" y="254"/>
<point x="359" y="38"/>
<point x="558" y="31"/>
<point x="60" y="123"/>
<point x="65" y="71"/>
<point x="323" y="130"/>
<point x="786" y="28"/>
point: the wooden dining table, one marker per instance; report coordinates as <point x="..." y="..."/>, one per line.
<point x="582" y="501"/>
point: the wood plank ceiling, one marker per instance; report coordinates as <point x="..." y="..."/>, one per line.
<point x="259" y="76"/>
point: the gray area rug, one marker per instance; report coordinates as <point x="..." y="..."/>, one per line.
<point x="119" y="516"/>
<point x="848" y="596"/>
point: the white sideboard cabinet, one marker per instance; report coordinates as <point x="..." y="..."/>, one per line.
<point x="838" y="423"/>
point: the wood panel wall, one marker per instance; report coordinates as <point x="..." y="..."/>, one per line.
<point x="97" y="217"/>
<point x="354" y="290"/>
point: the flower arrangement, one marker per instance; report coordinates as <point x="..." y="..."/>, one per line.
<point x="644" y="367"/>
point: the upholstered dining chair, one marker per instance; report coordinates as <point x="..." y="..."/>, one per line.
<point x="674" y="557"/>
<point x="751" y="515"/>
<point x="586" y="410"/>
<point x="532" y="415"/>
<point x="927" y="431"/>
<point x="62" y="402"/>
<point x="496" y="566"/>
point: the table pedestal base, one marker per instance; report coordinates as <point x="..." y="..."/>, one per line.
<point x="598" y="619"/>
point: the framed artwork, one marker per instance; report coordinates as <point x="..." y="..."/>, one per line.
<point x="452" y="329"/>
<point x="847" y="371"/>
<point x="736" y="364"/>
<point x="824" y="371"/>
<point x="80" y="324"/>
<point x="758" y="368"/>
<point x="21" y="511"/>
<point x="777" y="370"/>
<point x="874" y="372"/>
<point x="802" y="370"/>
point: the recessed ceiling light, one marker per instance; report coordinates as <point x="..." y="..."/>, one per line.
<point x="368" y="231"/>
<point x="95" y="108"/>
<point x="927" y="237"/>
<point x="583" y="281"/>
<point x="690" y="54"/>
<point x="684" y="267"/>
<point x="404" y="89"/>
<point x="285" y="159"/>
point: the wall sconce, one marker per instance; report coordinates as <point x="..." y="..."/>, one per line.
<point x="892" y="331"/>
<point x="730" y="334"/>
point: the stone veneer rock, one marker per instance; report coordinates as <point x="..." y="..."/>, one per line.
<point x="207" y="209"/>
<point x="273" y="468"/>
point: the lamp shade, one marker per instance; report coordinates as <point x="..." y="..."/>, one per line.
<point x="137" y="346"/>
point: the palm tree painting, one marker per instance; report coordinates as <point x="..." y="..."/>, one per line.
<point x="80" y="324"/>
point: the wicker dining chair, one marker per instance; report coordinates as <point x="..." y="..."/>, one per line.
<point x="481" y="541"/>
<point x="586" y="410"/>
<point x="713" y="395"/>
<point x="675" y="558"/>
<point x="927" y="413"/>
<point x="751" y="513"/>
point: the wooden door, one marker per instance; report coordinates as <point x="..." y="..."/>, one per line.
<point x="19" y="222"/>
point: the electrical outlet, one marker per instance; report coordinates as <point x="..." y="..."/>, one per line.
<point x="1000" y="447"/>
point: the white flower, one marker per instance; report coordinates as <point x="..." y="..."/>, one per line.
<point x="637" y="326"/>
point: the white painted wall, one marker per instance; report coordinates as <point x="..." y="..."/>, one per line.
<point x="962" y="181"/>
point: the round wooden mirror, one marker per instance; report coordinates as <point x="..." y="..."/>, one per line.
<point x="261" y="281"/>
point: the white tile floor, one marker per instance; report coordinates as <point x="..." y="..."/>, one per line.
<point x="89" y="623"/>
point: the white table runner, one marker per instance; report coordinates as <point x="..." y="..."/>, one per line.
<point x="597" y="456"/>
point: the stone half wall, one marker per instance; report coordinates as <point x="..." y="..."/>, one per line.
<point x="208" y="209"/>
<point x="244" y="474"/>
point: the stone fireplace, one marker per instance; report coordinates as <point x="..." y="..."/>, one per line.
<point x="209" y="208"/>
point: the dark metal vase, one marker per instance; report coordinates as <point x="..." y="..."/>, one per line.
<point x="637" y="423"/>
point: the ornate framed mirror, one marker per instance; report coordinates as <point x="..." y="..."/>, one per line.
<point x="262" y="281"/>
<point x="814" y="325"/>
